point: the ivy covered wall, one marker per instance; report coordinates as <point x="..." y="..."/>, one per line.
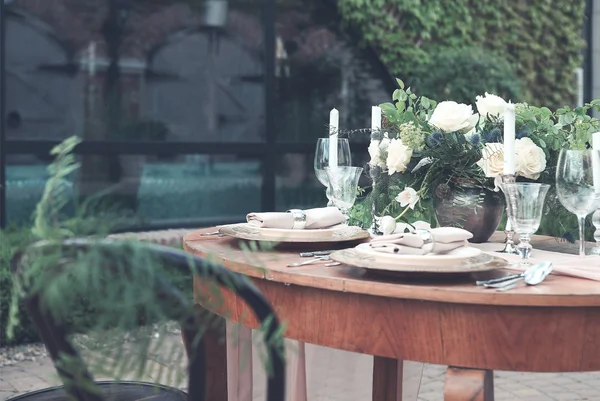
<point x="540" y="39"/>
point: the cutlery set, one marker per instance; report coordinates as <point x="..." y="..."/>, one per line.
<point x="318" y="256"/>
<point x="534" y="275"/>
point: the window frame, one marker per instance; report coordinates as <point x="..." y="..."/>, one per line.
<point x="266" y="152"/>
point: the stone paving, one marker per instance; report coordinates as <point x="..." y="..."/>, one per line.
<point x="26" y="376"/>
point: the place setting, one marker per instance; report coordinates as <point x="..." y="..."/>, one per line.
<point x="326" y="225"/>
<point x="457" y="246"/>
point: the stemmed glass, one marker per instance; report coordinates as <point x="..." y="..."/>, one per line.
<point x="525" y="203"/>
<point x="575" y="185"/>
<point x="322" y="160"/>
<point x="343" y="185"/>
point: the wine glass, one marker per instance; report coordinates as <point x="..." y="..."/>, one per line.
<point x="525" y="203"/>
<point x="343" y="185"/>
<point x="578" y="185"/>
<point x="344" y="158"/>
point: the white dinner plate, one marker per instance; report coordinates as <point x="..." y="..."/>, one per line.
<point x="462" y="260"/>
<point x="338" y="233"/>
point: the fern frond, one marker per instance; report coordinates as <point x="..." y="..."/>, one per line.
<point x="47" y="221"/>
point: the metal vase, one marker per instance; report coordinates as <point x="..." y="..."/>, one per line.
<point x="467" y="206"/>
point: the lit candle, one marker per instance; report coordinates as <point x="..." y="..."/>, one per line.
<point x="596" y="160"/>
<point x="509" y="139"/>
<point x="375" y="118"/>
<point x="334" y="125"/>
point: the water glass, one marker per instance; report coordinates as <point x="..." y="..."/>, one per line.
<point x="525" y="203"/>
<point x="343" y="184"/>
<point x="578" y="185"/>
<point x="344" y="158"/>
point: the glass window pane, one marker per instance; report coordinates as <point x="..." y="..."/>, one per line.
<point x="181" y="190"/>
<point x="121" y="70"/>
<point x="319" y="68"/>
<point x="297" y="184"/>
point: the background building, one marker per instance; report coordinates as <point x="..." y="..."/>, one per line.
<point x="192" y="112"/>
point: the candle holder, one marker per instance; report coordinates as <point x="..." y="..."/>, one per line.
<point x="374" y="229"/>
<point x="596" y="222"/>
<point x="509" y="244"/>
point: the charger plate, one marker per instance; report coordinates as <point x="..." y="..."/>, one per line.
<point x="339" y="233"/>
<point x="461" y="260"/>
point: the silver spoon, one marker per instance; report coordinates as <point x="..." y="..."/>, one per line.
<point x="510" y="280"/>
<point x="533" y="278"/>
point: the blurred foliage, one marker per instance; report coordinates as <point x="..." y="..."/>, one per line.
<point x="540" y="38"/>
<point x="52" y="220"/>
<point x="460" y="74"/>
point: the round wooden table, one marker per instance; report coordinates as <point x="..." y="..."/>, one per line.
<point x="554" y="327"/>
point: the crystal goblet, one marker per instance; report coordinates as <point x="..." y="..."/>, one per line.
<point x="321" y="162"/>
<point x="525" y="203"/>
<point x="343" y="184"/>
<point x="578" y="185"/>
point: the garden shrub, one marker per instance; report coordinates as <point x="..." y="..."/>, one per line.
<point x="461" y="74"/>
<point x="10" y="241"/>
<point x="540" y="38"/>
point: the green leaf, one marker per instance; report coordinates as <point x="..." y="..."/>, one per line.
<point x="387" y="107"/>
<point x="400" y="83"/>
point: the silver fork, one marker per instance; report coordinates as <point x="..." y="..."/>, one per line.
<point x="212" y="234"/>
<point x="309" y="262"/>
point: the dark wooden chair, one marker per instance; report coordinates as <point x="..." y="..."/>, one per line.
<point x="78" y="383"/>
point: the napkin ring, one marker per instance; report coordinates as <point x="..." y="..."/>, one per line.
<point x="427" y="241"/>
<point x="299" y="219"/>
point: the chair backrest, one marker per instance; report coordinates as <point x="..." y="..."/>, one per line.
<point x="77" y="379"/>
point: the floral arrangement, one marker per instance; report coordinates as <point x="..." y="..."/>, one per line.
<point x="426" y="148"/>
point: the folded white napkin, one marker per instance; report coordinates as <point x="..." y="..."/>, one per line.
<point x="587" y="267"/>
<point x="315" y="218"/>
<point x="445" y="239"/>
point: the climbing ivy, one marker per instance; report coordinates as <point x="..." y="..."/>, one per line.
<point x="540" y="38"/>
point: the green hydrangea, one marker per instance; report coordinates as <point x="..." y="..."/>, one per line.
<point x="521" y="108"/>
<point x="412" y="136"/>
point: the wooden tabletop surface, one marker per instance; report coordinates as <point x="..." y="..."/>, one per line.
<point x="270" y="265"/>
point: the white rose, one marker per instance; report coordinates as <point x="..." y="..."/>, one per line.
<point x="490" y="105"/>
<point x="492" y="160"/>
<point x="385" y="142"/>
<point x="451" y="117"/>
<point x="530" y="159"/>
<point x="398" y="156"/>
<point x="387" y="225"/>
<point x="375" y="154"/>
<point x="421" y="225"/>
<point x="409" y="197"/>
<point x="375" y="149"/>
<point x="417" y="225"/>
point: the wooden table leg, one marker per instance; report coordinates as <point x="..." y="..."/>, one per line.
<point x="387" y="379"/>
<point x="468" y="385"/>
<point x="215" y="353"/>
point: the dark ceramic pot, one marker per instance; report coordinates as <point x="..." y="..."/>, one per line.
<point x="472" y="208"/>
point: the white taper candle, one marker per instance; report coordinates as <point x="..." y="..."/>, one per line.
<point x="334" y="126"/>
<point x="92" y="59"/>
<point x="596" y="160"/>
<point x="509" y="139"/>
<point x="375" y="118"/>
